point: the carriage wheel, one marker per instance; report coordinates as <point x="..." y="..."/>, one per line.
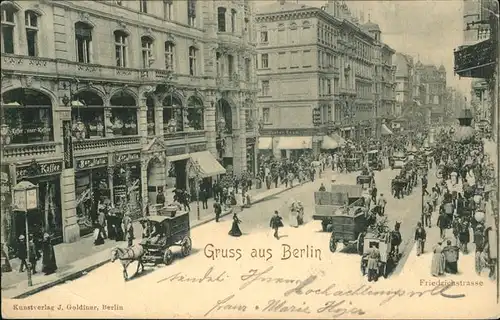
<point x="168" y="257"/>
<point x="186" y="246"/>
<point x="360" y="243"/>
<point x="333" y="243"/>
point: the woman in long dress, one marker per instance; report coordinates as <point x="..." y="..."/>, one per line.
<point x="49" y="265"/>
<point x="292" y="218"/>
<point x="437" y="266"/>
<point x="235" y="229"/>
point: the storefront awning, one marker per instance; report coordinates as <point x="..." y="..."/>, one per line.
<point x="386" y="131"/>
<point x="265" y="143"/>
<point x="332" y="142"/>
<point x="208" y="164"/>
<point x="178" y="157"/>
<point x="295" y="143"/>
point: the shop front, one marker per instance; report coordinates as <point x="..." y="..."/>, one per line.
<point x="91" y="188"/>
<point x="294" y="147"/>
<point x="127" y="182"/>
<point x="208" y="167"/>
<point x="178" y="159"/>
<point x="48" y="216"/>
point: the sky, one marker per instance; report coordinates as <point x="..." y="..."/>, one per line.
<point x="428" y="30"/>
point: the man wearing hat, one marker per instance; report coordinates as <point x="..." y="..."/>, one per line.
<point x="22" y="254"/>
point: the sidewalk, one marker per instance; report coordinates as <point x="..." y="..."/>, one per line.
<point x="69" y="259"/>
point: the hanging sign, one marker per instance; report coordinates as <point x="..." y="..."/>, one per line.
<point x="127" y="157"/>
<point x="82" y="164"/>
<point x="38" y="169"/>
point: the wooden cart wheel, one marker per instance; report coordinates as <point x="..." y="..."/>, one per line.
<point x="333" y="243"/>
<point x="186" y="246"/>
<point x="168" y="257"/>
<point x="360" y="242"/>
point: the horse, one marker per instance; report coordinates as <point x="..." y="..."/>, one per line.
<point x="127" y="256"/>
<point x="396" y="239"/>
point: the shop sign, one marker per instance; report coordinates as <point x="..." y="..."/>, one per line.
<point x="38" y="169"/>
<point x="478" y="56"/>
<point x="289" y="132"/>
<point x="127" y="157"/>
<point x="91" y="163"/>
<point x="316" y="115"/>
<point x="67" y="144"/>
<point x="176" y="151"/>
<point x="197" y="147"/>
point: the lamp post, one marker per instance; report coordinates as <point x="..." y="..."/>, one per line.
<point x="197" y="176"/>
<point x="26" y="198"/>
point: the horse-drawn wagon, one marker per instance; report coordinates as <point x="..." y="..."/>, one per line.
<point x="374" y="160"/>
<point x="386" y="242"/>
<point x="366" y="181"/>
<point x="343" y="212"/>
<point x="168" y="231"/>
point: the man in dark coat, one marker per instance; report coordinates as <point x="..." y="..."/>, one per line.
<point x="204" y="198"/>
<point x="451" y="255"/>
<point x="217" y="210"/>
<point x="442" y="223"/>
<point x="49" y="265"/>
<point x="22" y="253"/>
<point x="420" y="236"/>
<point x="276" y="223"/>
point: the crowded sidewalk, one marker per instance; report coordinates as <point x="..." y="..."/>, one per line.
<point x="76" y="259"/>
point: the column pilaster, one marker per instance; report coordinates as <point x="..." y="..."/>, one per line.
<point x="159" y="121"/>
<point x="210" y="130"/>
<point x="142" y="121"/>
<point x="111" y="173"/>
<point x="71" y="230"/>
<point x="144" y="184"/>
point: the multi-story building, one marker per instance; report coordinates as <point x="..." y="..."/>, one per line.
<point x="122" y="100"/>
<point x="481" y="24"/>
<point x="431" y="84"/>
<point x="316" y="75"/>
<point x="405" y="71"/>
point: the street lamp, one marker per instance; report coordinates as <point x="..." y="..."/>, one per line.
<point x="26" y="198"/>
<point x="197" y="176"/>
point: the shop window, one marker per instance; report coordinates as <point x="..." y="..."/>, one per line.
<point x="172" y="114"/>
<point x="8" y="27"/>
<point x="195" y="117"/>
<point x="87" y="113"/>
<point x="31" y="23"/>
<point x="28" y="114"/>
<point x="83" y="38"/>
<point x="126" y="186"/>
<point x="124" y="115"/>
<point x="121" y="40"/>
<point x="221" y="19"/>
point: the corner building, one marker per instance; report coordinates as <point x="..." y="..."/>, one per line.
<point x="117" y="100"/>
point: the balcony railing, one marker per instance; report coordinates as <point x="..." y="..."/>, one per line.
<point x="110" y="144"/>
<point x="32" y="150"/>
<point x="184" y="135"/>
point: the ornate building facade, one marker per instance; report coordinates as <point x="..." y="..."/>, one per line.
<point x="118" y="100"/>
<point x="316" y="75"/>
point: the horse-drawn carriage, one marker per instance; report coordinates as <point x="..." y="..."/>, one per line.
<point x="398" y="160"/>
<point x="386" y="242"/>
<point x="353" y="164"/>
<point x="374" y="160"/>
<point x="343" y="212"/>
<point x="168" y="231"/>
<point x="366" y="181"/>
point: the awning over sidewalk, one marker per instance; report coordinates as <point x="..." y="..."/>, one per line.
<point x="295" y="143"/>
<point x="265" y="143"/>
<point x="208" y="164"/>
<point x="385" y="131"/>
<point x="178" y="157"/>
<point x="332" y="142"/>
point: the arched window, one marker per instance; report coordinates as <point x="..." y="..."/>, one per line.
<point x="83" y="38"/>
<point x="31" y="22"/>
<point x="173" y="120"/>
<point x="221" y="19"/>
<point x="195" y="113"/>
<point x="8" y="28"/>
<point x="87" y="108"/>
<point x="192" y="61"/>
<point x="123" y="114"/>
<point x="147" y="51"/>
<point x="28" y="115"/>
<point x="121" y="41"/>
<point x="169" y="55"/>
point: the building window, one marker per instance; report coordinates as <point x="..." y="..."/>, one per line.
<point x="147" y="51"/>
<point x="264" y="36"/>
<point x="282" y="63"/>
<point x="294" y="59"/>
<point x="143" y="6"/>
<point x="218" y="58"/>
<point x="8" y="26"/>
<point x="230" y="66"/>
<point x="168" y="9"/>
<point x="264" y="61"/>
<point x="265" y="87"/>
<point x="31" y="23"/>
<point x="192" y="13"/>
<point x="169" y="55"/>
<point x="248" y="69"/>
<point x="192" y="61"/>
<point x="194" y="111"/>
<point x="83" y="38"/>
<point x="233" y="21"/>
<point x="329" y="86"/>
<point x="121" y="48"/>
<point x="266" y="112"/>
<point x="221" y="19"/>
